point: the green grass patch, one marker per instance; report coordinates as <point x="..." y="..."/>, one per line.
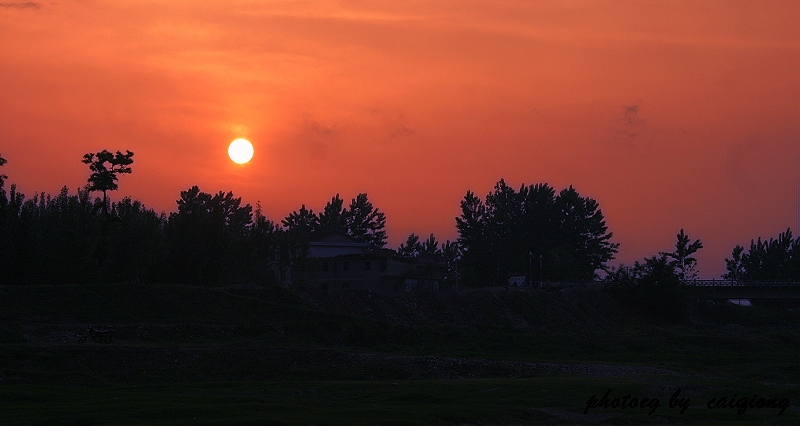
<point x="410" y="402"/>
<point x="189" y="355"/>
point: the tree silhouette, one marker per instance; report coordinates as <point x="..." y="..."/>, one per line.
<point x="360" y="220"/>
<point x="3" y="198"/>
<point x="105" y="167"/>
<point x="582" y="234"/>
<point x="430" y="248"/>
<point x="299" y="226"/>
<point x="474" y="240"/>
<point x="365" y="223"/>
<point x="264" y="246"/>
<point x="766" y="260"/>
<point x="682" y="259"/>
<point x="206" y="237"/>
<point x="2" y="176"/>
<point x="499" y="236"/>
<point x="651" y="287"/>
<point x="333" y="218"/>
<point x="47" y="238"/>
<point x="735" y="266"/>
<point x="302" y="222"/>
<point x="136" y="241"/>
<point x="411" y="247"/>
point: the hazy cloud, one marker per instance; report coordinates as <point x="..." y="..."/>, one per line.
<point x="399" y="130"/>
<point x="630" y="125"/>
<point x="752" y="159"/>
<point x="316" y="127"/>
<point x="21" y="5"/>
<point x="630" y="112"/>
<point x="395" y="124"/>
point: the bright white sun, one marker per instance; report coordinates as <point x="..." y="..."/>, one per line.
<point x="240" y="151"/>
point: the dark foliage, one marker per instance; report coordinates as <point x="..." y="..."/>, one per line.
<point x="138" y="244"/>
<point x="206" y="237"/>
<point x="366" y="223"/>
<point x="682" y="259"/>
<point x="428" y="249"/>
<point x="105" y="167"/>
<point x="333" y="218"/>
<point x="57" y="239"/>
<point x="566" y="234"/>
<point x="2" y="176"/>
<point x="776" y="259"/>
<point x="265" y="261"/>
<point x="447" y="253"/>
<point x="653" y="287"/>
<point x="360" y="220"/>
<point x="412" y="247"/>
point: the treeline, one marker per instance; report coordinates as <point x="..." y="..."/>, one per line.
<point x="533" y="231"/>
<point x="653" y="286"/>
<point x="776" y="259"/>
<point x="215" y="238"/>
<point x="210" y="239"/>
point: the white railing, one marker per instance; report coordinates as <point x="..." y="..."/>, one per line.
<point x="738" y="283"/>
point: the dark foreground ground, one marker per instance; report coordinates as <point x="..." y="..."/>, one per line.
<point x="191" y="355"/>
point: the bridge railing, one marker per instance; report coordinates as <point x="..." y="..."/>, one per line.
<point x="739" y="283"/>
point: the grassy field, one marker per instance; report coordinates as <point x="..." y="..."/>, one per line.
<point x="417" y="402"/>
<point x="189" y="355"/>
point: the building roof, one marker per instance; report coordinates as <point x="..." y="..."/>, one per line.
<point x="338" y="240"/>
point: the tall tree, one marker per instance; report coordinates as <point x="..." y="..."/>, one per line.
<point x="365" y="223"/>
<point x="105" y="167"/>
<point x="3" y="198"/>
<point x="411" y="247"/>
<point x="474" y="241"/>
<point x="48" y="239"/>
<point x="2" y="176"/>
<point x="265" y="260"/>
<point x="682" y="260"/>
<point x="206" y="237"/>
<point x="137" y="241"/>
<point x="776" y="259"/>
<point x="302" y="221"/>
<point x="582" y="234"/>
<point x="451" y="253"/>
<point x="567" y="232"/>
<point x="651" y="287"/>
<point x="430" y="248"/>
<point x="333" y="218"/>
<point x="504" y="229"/>
<point x="735" y="266"/>
<point x="299" y="227"/>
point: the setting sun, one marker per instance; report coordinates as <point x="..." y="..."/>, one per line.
<point x="240" y="151"/>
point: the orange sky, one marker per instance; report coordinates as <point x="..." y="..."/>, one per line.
<point x="414" y="103"/>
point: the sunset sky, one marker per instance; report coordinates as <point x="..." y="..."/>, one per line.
<point x="670" y="114"/>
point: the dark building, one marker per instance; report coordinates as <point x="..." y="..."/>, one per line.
<point x="338" y="262"/>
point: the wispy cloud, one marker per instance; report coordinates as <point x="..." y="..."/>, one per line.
<point x="309" y="123"/>
<point x="400" y="130"/>
<point x="21" y="5"/>
<point x="630" y="125"/>
<point x="395" y="123"/>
